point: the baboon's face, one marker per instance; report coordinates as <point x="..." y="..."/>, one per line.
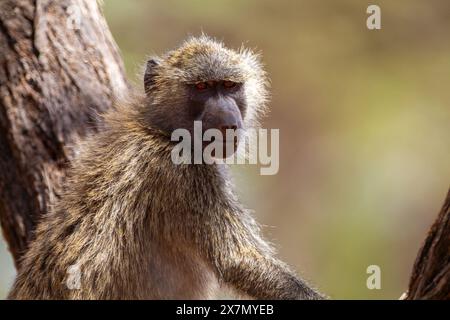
<point x="204" y="81"/>
<point x="218" y="105"/>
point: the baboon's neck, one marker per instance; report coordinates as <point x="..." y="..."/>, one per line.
<point x="128" y="171"/>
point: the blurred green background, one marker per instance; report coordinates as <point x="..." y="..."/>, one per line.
<point x="364" y="119"/>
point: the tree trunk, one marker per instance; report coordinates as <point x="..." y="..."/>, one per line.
<point x="59" y="67"/>
<point x="430" y="278"/>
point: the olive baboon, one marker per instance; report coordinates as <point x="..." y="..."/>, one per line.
<point x="137" y="226"/>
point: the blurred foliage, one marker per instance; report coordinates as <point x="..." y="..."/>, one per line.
<point x="363" y="117"/>
<point x="7" y="271"/>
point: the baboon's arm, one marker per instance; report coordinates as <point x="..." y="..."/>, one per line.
<point x="245" y="262"/>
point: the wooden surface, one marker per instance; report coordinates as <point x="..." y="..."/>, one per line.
<point x="430" y="278"/>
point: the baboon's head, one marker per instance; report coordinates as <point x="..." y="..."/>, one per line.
<point x="204" y="81"/>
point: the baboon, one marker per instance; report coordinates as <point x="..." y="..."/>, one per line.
<point x="130" y="224"/>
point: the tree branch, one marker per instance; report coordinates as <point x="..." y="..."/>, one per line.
<point x="430" y="277"/>
<point x="59" y="67"/>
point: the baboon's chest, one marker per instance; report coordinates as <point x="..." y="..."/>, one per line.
<point x="176" y="273"/>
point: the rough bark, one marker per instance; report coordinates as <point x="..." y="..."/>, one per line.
<point x="59" y="67"/>
<point x="430" y="278"/>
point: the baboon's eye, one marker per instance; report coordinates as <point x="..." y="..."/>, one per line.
<point x="229" y="84"/>
<point x="201" y="86"/>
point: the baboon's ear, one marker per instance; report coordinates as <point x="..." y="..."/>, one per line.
<point x="149" y="75"/>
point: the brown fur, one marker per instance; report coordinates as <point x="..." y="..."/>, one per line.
<point x="140" y="227"/>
